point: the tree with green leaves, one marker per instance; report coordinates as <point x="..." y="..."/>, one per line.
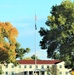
<point x="1" y="71"/>
<point x="53" y="70"/>
<point x="21" y="51"/>
<point x="58" y="38"/>
<point x="35" y="57"/>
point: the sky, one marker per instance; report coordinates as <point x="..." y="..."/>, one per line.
<point x="21" y="14"/>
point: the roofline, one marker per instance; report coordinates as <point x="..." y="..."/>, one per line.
<point x="39" y="61"/>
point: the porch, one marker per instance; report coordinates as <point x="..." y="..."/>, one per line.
<point x="35" y="72"/>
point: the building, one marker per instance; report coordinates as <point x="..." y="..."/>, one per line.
<point x="62" y="69"/>
<point x="38" y="67"/>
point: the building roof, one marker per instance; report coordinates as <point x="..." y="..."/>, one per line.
<point x="39" y="61"/>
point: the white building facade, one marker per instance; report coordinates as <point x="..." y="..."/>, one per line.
<point x="41" y="67"/>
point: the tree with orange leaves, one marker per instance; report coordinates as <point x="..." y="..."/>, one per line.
<point x="9" y="49"/>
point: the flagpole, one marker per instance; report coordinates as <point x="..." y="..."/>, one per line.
<point x="35" y="49"/>
<point x="35" y="42"/>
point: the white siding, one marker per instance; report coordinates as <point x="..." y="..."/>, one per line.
<point x="62" y="69"/>
<point x="31" y="67"/>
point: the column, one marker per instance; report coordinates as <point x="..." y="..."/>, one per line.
<point x="27" y="72"/>
<point x="39" y="73"/>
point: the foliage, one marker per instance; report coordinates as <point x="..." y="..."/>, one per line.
<point x="34" y="57"/>
<point x="8" y="35"/>
<point x="52" y="70"/>
<point x="1" y="71"/>
<point x="58" y="40"/>
<point x="9" y="47"/>
<point x="72" y="72"/>
<point x="28" y="58"/>
<point x="20" y="51"/>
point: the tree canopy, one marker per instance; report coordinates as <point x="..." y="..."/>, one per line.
<point x="58" y="38"/>
<point x="21" y="51"/>
<point x="35" y="57"/>
<point x="9" y="47"/>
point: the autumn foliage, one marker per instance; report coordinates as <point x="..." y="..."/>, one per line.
<point x="8" y="35"/>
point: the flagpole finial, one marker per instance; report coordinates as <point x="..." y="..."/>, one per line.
<point x="35" y="17"/>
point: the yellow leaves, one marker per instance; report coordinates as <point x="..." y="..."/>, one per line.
<point x="7" y="45"/>
<point x="3" y="49"/>
<point x="8" y="35"/>
<point x="8" y="25"/>
<point x="28" y="58"/>
<point x="13" y="32"/>
<point x="12" y="47"/>
<point x="72" y="72"/>
<point x="12" y="40"/>
<point x="1" y="44"/>
<point x="12" y="53"/>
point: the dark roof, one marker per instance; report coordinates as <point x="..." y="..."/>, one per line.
<point x="39" y="61"/>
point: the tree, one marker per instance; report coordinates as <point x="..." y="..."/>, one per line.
<point x="1" y="71"/>
<point x="28" y="58"/>
<point x="8" y="35"/>
<point x="53" y="70"/>
<point x="9" y="47"/>
<point x="34" y="57"/>
<point x="58" y="39"/>
<point x="20" y="51"/>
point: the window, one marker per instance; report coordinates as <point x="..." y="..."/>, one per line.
<point x="47" y="66"/>
<point x="60" y="73"/>
<point x="24" y="66"/>
<point x="6" y="73"/>
<point x="66" y="73"/>
<point x="36" y="66"/>
<point x="60" y="66"/>
<point x="19" y="66"/>
<point x="12" y="66"/>
<point x="30" y="66"/>
<point x="13" y="73"/>
<point x="42" y="66"/>
<point x="6" y="66"/>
